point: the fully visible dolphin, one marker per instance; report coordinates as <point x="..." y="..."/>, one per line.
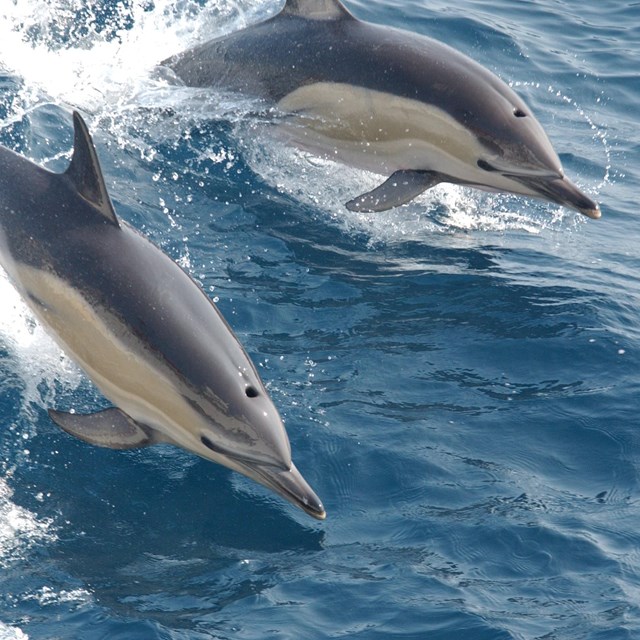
<point x="388" y="101"/>
<point x="139" y="326"/>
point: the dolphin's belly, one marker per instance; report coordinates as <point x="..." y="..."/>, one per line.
<point x="384" y="133"/>
<point x="116" y="361"/>
<point x="377" y="131"/>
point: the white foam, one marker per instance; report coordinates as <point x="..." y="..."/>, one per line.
<point x="34" y="356"/>
<point x="47" y="596"/>
<point x="101" y="69"/>
<point x="12" y="633"/>
<point x="19" y="528"/>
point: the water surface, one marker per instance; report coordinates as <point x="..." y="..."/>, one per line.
<point x="459" y="377"/>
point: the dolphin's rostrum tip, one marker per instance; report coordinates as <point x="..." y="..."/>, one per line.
<point x="290" y="485"/>
<point x="594" y="213"/>
<point x="322" y="515"/>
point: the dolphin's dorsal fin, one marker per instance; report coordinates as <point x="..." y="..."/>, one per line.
<point x="85" y="173"/>
<point x="316" y="9"/>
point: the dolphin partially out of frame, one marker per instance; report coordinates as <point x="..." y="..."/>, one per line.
<point x="143" y="331"/>
<point x="388" y="101"/>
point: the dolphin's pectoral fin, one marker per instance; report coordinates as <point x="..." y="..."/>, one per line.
<point x="401" y="187"/>
<point x="110" y="428"/>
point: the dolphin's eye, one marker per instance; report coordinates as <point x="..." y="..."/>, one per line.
<point x="207" y="443"/>
<point x="519" y="113"/>
<point x="251" y="392"/>
<point x="485" y="166"/>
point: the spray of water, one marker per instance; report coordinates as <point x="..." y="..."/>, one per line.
<point x="98" y="56"/>
<point x="20" y="529"/>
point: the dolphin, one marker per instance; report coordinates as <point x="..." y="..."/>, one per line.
<point x="143" y="331"/>
<point x="388" y="101"/>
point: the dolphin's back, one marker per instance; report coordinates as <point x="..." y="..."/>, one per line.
<point x="47" y="228"/>
<point x="272" y="59"/>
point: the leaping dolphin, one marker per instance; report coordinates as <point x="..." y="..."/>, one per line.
<point x="139" y="326"/>
<point x="388" y="101"/>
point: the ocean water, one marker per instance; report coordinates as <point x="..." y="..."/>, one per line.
<point x="460" y="378"/>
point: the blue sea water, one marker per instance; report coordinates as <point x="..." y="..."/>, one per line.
<point x="459" y="378"/>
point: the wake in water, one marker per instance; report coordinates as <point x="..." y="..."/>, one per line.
<point x="96" y="56"/>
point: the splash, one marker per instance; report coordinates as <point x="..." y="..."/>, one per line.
<point x="40" y="364"/>
<point x="98" y="57"/>
<point x="19" y="528"/>
<point x="444" y="209"/>
<point x="12" y="633"/>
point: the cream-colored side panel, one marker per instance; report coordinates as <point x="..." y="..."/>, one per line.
<point x="384" y="133"/>
<point x="402" y="133"/>
<point x="122" y="371"/>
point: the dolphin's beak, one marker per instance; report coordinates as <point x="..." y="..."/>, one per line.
<point x="290" y="485"/>
<point x="561" y="190"/>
